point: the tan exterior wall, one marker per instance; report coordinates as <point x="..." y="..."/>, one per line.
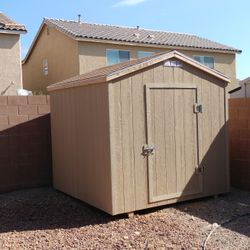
<point x="67" y="58"/>
<point x="128" y="135"/>
<point x="62" y="55"/>
<point x="93" y="56"/>
<point x="10" y="64"/>
<point x="80" y="144"/>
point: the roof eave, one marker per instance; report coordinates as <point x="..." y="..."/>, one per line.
<point x="140" y="44"/>
<point x="13" y="32"/>
<point x="77" y="83"/>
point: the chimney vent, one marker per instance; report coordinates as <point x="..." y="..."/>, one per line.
<point x="79" y="18"/>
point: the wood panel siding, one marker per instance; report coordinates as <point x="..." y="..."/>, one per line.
<point x="99" y="131"/>
<point x="131" y="135"/>
<point x="81" y="152"/>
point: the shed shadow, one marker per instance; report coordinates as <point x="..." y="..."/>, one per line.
<point x="25" y="155"/>
<point x="224" y="206"/>
<point x="46" y="208"/>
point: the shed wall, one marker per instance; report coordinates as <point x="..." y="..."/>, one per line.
<point x="80" y="144"/>
<point x="128" y="134"/>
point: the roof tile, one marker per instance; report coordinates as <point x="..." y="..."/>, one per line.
<point x="144" y="36"/>
<point x="8" y="24"/>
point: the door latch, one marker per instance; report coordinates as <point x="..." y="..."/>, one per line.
<point x="199" y="170"/>
<point x="198" y="108"/>
<point x="148" y="150"/>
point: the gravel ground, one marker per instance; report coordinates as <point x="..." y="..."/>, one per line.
<point x="46" y="219"/>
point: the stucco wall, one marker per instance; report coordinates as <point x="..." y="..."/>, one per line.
<point x="10" y="64"/>
<point x="93" y="55"/>
<point x="61" y="52"/>
<point x="67" y="58"/>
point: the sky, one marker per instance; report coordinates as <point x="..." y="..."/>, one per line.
<point x="223" y="21"/>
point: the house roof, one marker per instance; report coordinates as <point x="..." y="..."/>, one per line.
<point x="83" y="31"/>
<point x="7" y="24"/>
<point x="80" y="30"/>
<point x="246" y="80"/>
<point x="109" y="73"/>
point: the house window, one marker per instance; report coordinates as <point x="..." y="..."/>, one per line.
<point x="206" y="60"/>
<point x="45" y="67"/>
<point x="142" y="54"/>
<point x="117" y="56"/>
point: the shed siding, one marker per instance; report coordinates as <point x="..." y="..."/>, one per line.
<point x="81" y="151"/>
<point x="127" y="116"/>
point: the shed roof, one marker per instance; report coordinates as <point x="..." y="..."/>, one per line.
<point x="109" y="73"/>
<point x="7" y="24"/>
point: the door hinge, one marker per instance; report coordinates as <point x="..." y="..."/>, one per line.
<point x="198" y="108"/>
<point x="199" y="170"/>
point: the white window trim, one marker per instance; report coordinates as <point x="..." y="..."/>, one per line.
<point x="117" y="50"/>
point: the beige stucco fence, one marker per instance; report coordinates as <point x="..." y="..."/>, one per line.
<point x="239" y="123"/>
<point x="25" y="143"/>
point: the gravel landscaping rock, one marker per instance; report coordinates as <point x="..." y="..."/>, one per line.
<point x="47" y="219"/>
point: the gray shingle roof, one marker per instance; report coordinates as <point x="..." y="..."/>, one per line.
<point x="142" y="36"/>
<point x="8" y="24"/>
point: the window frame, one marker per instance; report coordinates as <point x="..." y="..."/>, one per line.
<point x="203" y="60"/>
<point x="129" y="51"/>
<point x="142" y="51"/>
<point x="45" y="65"/>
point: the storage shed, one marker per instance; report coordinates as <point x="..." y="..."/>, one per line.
<point x="141" y="134"/>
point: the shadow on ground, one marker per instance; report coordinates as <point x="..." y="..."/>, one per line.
<point x="231" y="210"/>
<point x="45" y="208"/>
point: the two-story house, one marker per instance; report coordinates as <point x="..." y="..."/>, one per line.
<point x="62" y="49"/>
<point x="10" y="58"/>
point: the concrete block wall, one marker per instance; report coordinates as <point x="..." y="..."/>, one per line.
<point x="239" y="134"/>
<point x="25" y="142"/>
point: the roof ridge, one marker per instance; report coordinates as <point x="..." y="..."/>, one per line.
<point x="121" y="26"/>
<point x="59" y="19"/>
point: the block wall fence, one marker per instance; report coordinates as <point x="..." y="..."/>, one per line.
<point x="239" y="134"/>
<point x="25" y="142"/>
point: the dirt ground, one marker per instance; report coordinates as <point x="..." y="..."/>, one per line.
<point x="46" y="219"/>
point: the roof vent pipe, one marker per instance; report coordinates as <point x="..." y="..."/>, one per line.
<point x="79" y="18"/>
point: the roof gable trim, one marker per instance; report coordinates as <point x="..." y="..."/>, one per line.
<point x="172" y="54"/>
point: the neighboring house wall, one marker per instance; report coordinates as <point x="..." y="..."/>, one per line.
<point x="244" y="91"/>
<point x="92" y="55"/>
<point x="62" y="56"/>
<point x="10" y="64"/>
<point x="67" y="58"/>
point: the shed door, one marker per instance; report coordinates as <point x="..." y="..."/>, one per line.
<point x="172" y="134"/>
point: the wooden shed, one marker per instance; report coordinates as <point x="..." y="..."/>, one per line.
<point x="141" y="134"/>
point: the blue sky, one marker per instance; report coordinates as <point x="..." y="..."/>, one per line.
<point x="224" y="21"/>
